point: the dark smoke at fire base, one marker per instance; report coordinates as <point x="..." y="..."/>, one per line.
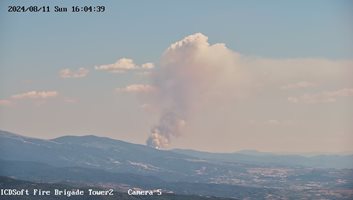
<point x="170" y="125"/>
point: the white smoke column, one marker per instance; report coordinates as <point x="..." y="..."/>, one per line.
<point x="187" y="71"/>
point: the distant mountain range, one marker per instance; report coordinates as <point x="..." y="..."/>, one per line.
<point x="101" y="161"/>
<point x="99" y="153"/>
<point x="96" y="152"/>
<point x="271" y="159"/>
<point x="96" y="160"/>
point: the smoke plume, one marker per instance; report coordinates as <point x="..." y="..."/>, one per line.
<point x="187" y="71"/>
<point x="170" y="125"/>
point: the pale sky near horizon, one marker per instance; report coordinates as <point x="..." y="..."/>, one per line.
<point x="272" y="76"/>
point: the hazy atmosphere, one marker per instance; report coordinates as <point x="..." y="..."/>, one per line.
<point x="212" y="77"/>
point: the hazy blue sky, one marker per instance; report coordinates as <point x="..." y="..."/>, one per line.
<point x="289" y="88"/>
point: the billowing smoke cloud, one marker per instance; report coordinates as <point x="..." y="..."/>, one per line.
<point x="170" y="125"/>
<point x="187" y="71"/>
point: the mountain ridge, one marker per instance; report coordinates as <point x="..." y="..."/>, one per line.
<point x="317" y="161"/>
<point x="93" y="143"/>
<point x="244" y="151"/>
<point x="104" y="161"/>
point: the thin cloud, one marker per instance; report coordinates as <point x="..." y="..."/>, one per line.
<point x="68" y="73"/>
<point x="273" y="122"/>
<point x="70" y="100"/>
<point x="147" y="65"/>
<point x="36" y="95"/>
<point x="123" y="65"/>
<point x="302" y="84"/>
<point x="323" y="97"/>
<point x="136" y="88"/>
<point x="5" y="102"/>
